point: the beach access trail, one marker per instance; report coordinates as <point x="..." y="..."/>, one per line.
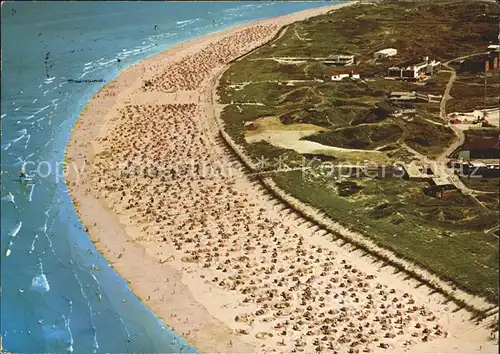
<point x="225" y="265"/>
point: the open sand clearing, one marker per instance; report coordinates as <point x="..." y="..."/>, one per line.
<point x="289" y="136"/>
<point x="492" y="116"/>
<point x="206" y="249"/>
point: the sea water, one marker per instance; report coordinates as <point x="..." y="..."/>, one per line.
<point x="58" y="294"/>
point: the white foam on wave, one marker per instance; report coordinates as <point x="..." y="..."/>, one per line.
<point x="96" y="344"/>
<point x="18" y="108"/>
<point x="40" y="284"/>
<point x="134" y="51"/>
<point x="129" y="337"/>
<point x="91" y="311"/>
<point x="33" y="243"/>
<point x="34" y="101"/>
<point x="17" y="139"/>
<point x="45" y="92"/>
<point x="3" y="115"/>
<point x="232" y="10"/>
<point x="43" y="108"/>
<point x="107" y="62"/>
<point x="96" y="267"/>
<point x="68" y="327"/>
<point x="9" y="198"/>
<point x="44" y="230"/>
<point x="7" y="146"/>
<point x="55" y="103"/>
<point x="89" y="63"/>
<point x="88" y="70"/>
<point x="27" y="140"/>
<point x="13" y="233"/>
<point x="41" y="118"/>
<point x="15" y="230"/>
<point x="187" y="22"/>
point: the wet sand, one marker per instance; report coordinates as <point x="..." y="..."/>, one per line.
<point x="225" y="265"/>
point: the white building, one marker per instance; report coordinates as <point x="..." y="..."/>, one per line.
<point x="385" y="53"/>
<point x="403" y="96"/>
<point x="427" y="67"/>
<point x="340" y="60"/>
<point x="341" y="75"/>
<point x="401" y="112"/>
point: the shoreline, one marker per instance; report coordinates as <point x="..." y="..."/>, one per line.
<point x="196" y="326"/>
<point x="171" y="287"/>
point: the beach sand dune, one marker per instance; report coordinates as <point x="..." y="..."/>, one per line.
<point x="247" y="275"/>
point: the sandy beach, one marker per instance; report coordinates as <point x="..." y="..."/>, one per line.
<point x="225" y="265"/>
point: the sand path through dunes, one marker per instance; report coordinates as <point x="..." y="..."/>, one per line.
<point x="205" y="248"/>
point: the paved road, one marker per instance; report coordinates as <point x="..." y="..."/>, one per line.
<point x="453" y="75"/>
<point x="446" y="95"/>
<point x="443" y="159"/>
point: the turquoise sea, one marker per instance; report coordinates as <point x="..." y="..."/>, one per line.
<point x="58" y="294"/>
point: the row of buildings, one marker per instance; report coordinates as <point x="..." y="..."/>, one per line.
<point x="347" y="60"/>
<point x="406" y="96"/>
<point x="481" y="63"/>
<point x="476" y="64"/>
<point x="418" y="71"/>
<point x="410" y="72"/>
<point x="438" y="186"/>
<point x="342" y="61"/>
<point x="482" y="157"/>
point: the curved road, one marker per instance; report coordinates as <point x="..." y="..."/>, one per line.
<point x="446" y="95"/>
<point x="443" y="158"/>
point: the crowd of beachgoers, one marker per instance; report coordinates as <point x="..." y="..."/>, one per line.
<point x="260" y="270"/>
<point x="188" y="73"/>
